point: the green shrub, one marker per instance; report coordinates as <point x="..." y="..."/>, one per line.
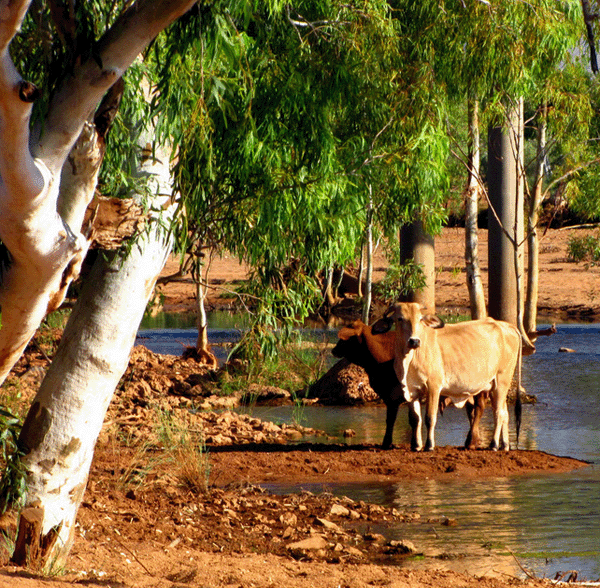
<point x="586" y="248"/>
<point x="400" y="280"/>
<point x="12" y="483"/>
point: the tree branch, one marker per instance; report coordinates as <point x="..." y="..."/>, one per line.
<point x="21" y="178"/>
<point x="80" y="93"/>
<point x="12" y="14"/>
<point x="588" y="18"/>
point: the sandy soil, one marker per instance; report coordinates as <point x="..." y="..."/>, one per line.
<point x="157" y="514"/>
<point x="567" y="291"/>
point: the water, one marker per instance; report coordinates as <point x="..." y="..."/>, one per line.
<point x="549" y="522"/>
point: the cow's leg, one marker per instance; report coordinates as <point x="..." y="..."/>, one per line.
<point x="415" y="421"/>
<point x="433" y="400"/>
<point x="390" y="420"/>
<point x="475" y="412"/>
<point x="500" y="439"/>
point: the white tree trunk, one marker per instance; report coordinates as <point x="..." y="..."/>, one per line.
<point x="45" y="250"/>
<point x="474" y="283"/>
<point x="203" y="352"/>
<point x="533" y="245"/>
<point x="369" y="258"/>
<point x="40" y="227"/>
<point x="64" y="422"/>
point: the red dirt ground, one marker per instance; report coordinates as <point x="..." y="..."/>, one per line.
<point x="149" y="519"/>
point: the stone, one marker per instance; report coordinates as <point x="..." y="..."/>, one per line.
<point x="338" y="510"/>
<point x="329" y="525"/>
<point x="402" y="546"/>
<point x="312" y="543"/>
<point x="289" y="519"/>
<point x="353" y="551"/>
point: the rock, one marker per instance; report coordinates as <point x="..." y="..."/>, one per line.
<point x="265" y="395"/>
<point x="338" y="510"/>
<point x="349" y="433"/>
<point x="345" y="383"/>
<point x="353" y="551"/>
<point x="289" y="519"/>
<point x="214" y="401"/>
<point x="403" y="546"/>
<point x="329" y="525"/>
<point x="288" y="533"/>
<point x="374" y="537"/>
<point x="312" y="543"/>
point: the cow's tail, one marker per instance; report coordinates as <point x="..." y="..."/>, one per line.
<point x="518" y="404"/>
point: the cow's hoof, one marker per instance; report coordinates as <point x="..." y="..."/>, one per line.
<point x="386" y="446"/>
<point x="429" y="447"/>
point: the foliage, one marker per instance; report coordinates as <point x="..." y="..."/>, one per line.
<point x="51" y="42"/>
<point x="400" y="280"/>
<point x="281" y="117"/>
<point x="13" y="482"/>
<point x="299" y="363"/>
<point x="585" y="248"/>
<point x="288" y="124"/>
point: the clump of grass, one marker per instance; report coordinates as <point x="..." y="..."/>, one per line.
<point x="297" y="365"/>
<point x="186" y="452"/>
<point x="171" y="447"/>
<point x="193" y="467"/>
<point x="136" y="472"/>
<point x="586" y="248"/>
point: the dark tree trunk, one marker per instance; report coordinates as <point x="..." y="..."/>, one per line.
<point x="505" y="220"/>
<point x="417" y="245"/>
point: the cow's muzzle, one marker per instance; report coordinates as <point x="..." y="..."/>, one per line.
<point x="413" y="343"/>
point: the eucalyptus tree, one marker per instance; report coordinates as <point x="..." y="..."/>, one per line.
<point x="563" y="158"/>
<point x="297" y="121"/>
<point x="493" y="54"/>
<point x="49" y="163"/>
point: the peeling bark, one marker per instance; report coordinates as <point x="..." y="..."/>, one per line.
<point x="42" y="200"/>
<point x="63" y="425"/>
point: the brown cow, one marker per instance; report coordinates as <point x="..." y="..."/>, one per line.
<point x="458" y="361"/>
<point x="373" y="350"/>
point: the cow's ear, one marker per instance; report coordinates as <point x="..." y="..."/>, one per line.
<point x="382" y="326"/>
<point x="346" y="333"/>
<point x="433" y="321"/>
<point x="389" y="312"/>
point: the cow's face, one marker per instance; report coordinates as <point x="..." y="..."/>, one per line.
<point x="407" y="317"/>
<point x="410" y="323"/>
